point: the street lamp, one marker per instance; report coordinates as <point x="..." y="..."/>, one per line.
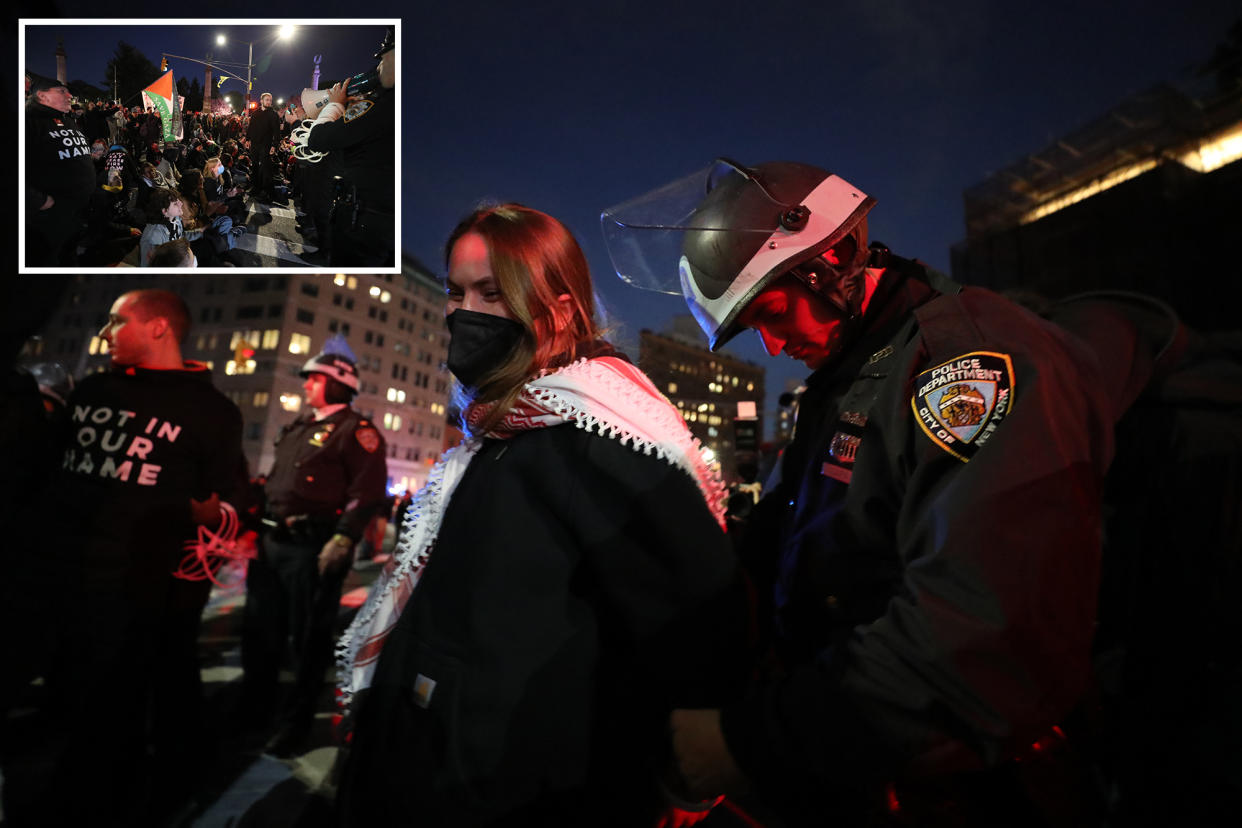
<point x="283" y="33"/>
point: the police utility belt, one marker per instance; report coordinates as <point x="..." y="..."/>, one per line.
<point x="348" y="203"/>
<point x="299" y="528"/>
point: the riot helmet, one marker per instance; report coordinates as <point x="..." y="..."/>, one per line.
<point x="732" y="230"/>
<point x="337" y="361"/>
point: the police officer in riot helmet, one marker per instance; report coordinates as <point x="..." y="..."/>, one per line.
<point x="327" y="481"/>
<point x="928" y="555"/>
<point x="361" y="127"/>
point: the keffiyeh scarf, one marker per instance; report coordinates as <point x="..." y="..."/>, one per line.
<point x="606" y="395"/>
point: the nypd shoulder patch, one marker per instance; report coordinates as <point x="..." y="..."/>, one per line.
<point x="959" y="404"/>
<point x="358" y="108"/>
<point x="368" y="438"/>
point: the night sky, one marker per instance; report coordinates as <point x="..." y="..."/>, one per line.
<point x="574" y="106"/>
<point x="346" y="50"/>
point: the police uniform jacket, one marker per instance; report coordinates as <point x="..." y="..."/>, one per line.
<point x="932" y="548"/>
<point x="579" y="589"/>
<point x="58" y="158"/>
<point x="365" y="137"/>
<point x="331" y="471"/>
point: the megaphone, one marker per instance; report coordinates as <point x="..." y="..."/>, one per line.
<point x="314" y="100"/>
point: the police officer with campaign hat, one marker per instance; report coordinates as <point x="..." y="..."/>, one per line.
<point x="362" y="130"/>
<point x="930" y="552"/>
<point x="327" y="482"/>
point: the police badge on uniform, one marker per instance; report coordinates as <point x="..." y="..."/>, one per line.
<point x="959" y="404"/>
<point x="321" y="434"/>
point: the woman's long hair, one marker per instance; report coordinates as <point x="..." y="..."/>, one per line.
<point x="209" y="168"/>
<point x="192" y="193"/>
<point x="535" y="261"/>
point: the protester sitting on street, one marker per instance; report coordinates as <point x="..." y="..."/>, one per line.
<point x="167" y="165"/>
<point x="176" y="253"/>
<point x="164" y="224"/>
<point x="192" y="190"/>
<point x="217" y="191"/>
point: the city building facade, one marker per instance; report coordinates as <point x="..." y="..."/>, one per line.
<point x="1147" y="197"/>
<point x="720" y="397"/>
<point x="257" y="331"/>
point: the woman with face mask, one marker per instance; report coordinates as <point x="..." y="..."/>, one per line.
<point x="563" y="579"/>
<point x="222" y="198"/>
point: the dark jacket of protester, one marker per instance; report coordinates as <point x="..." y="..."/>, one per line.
<point x="932" y="553"/>
<point x="58" y="158"/>
<point x="579" y="589"/>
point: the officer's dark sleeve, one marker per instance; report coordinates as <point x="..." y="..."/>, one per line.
<point x="339" y="134"/>
<point x="366" y="472"/>
<point x="986" y="643"/>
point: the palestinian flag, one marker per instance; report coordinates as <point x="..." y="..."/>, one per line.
<point x="162" y="96"/>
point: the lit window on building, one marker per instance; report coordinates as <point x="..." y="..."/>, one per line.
<point x="339" y="280"/>
<point x="98" y="345"/>
<point x="251" y="338"/>
<point x="260" y="399"/>
<point x="271" y="338"/>
<point x="672" y="388"/>
<point x="385" y="297"/>
<point x="234" y="368"/>
<point x="750" y="386"/>
<point x="375" y="290"/>
<point x="291" y="402"/>
<point x="299" y="343"/>
<point x="351" y="282"/>
<point x="392" y="422"/>
<point x="396" y="395"/>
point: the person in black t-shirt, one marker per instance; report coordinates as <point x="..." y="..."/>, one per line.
<point x="151" y="450"/>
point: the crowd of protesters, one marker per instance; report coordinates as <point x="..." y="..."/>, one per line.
<point x="213" y="169"/>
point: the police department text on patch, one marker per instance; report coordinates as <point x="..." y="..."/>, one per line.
<point x="960" y="403"/>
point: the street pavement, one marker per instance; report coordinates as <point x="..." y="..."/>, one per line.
<point x="272" y="239"/>
<point x="240" y="786"/>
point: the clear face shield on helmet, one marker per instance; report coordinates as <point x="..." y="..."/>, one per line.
<point x="719" y="236"/>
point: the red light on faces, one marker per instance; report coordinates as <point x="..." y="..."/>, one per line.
<point x="894" y="804"/>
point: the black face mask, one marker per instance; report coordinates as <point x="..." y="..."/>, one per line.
<point x="479" y="342"/>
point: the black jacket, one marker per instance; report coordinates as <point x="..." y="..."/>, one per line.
<point x="331" y="470"/>
<point x="579" y="589"/>
<point x="58" y="158"/>
<point x="933" y="551"/>
<point x="263" y="130"/>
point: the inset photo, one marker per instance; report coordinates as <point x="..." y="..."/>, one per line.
<point x="249" y="144"/>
